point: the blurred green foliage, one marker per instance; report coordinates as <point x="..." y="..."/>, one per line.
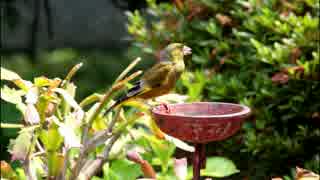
<point x="264" y="54"/>
<point x="100" y="68"/>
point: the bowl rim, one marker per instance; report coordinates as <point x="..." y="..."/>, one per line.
<point x="245" y="111"/>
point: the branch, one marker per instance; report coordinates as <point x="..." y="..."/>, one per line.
<point x="94" y="142"/>
<point x="91" y="168"/>
<point x="118" y="84"/>
<point x="65" y="164"/>
<point x="9" y="125"/>
<point x="71" y="73"/>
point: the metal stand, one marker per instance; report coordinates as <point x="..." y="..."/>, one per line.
<point x="199" y="160"/>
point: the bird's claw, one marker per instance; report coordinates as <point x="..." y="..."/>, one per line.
<point x="166" y="107"/>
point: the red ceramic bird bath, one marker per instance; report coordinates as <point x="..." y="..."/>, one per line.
<point x="200" y="123"/>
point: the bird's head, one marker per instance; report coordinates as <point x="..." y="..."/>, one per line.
<point x="174" y="52"/>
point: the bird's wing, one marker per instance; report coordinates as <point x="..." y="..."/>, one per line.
<point x="158" y="74"/>
<point x="152" y="78"/>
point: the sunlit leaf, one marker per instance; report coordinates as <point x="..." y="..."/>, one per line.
<point x="36" y="167"/>
<point x="32" y="96"/>
<point x="180" y="144"/>
<point x="43" y="81"/>
<point x="68" y="98"/>
<point x="219" y="167"/>
<point x="51" y="138"/>
<point x="163" y="149"/>
<point x="31" y="114"/>
<point x="99" y="124"/>
<point x="70" y="138"/>
<point x="20" y="146"/>
<point x="23" y="84"/>
<point x="125" y="169"/>
<point x="11" y="95"/>
<point x="108" y="173"/>
<point x="8" y="75"/>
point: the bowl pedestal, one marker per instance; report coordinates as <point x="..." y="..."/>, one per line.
<point x="200" y="123"/>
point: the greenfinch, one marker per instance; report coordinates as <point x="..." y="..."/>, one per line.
<point x="161" y="78"/>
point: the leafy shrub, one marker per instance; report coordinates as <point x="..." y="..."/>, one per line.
<point x="264" y="54"/>
<point x="60" y="138"/>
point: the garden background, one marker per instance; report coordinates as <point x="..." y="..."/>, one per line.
<point x="263" y="54"/>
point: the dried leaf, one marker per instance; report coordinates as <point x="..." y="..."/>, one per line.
<point x="295" y="55"/>
<point x="147" y="169"/>
<point x="304" y="174"/>
<point x="6" y="171"/>
<point x="280" y="78"/>
<point x="224" y="20"/>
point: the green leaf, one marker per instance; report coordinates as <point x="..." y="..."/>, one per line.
<point x="163" y="149"/>
<point x="21" y="174"/>
<point x="43" y="81"/>
<point x="55" y="163"/>
<point x="219" y="167"/>
<point x="108" y="173"/>
<point x="51" y="138"/>
<point x="8" y="75"/>
<point x="96" y="178"/>
<point x="124" y="170"/>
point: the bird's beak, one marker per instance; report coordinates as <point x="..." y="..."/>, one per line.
<point x="186" y="50"/>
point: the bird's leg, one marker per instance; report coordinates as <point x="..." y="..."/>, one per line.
<point x="166" y="107"/>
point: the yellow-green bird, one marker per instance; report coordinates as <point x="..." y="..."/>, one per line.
<point x="161" y="78"/>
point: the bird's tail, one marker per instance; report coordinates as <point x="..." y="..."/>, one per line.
<point x="118" y="102"/>
<point x="133" y="92"/>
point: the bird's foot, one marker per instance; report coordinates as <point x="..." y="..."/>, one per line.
<point x="166" y="107"/>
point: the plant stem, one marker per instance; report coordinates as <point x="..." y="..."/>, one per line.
<point x="128" y="69"/>
<point x="118" y="84"/>
<point x="9" y="125"/>
<point x="71" y="73"/>
<point x="65" y="165"/>
<point x="95" y="166"/>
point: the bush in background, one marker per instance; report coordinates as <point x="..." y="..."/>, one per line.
<point x="264" y="54"/>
